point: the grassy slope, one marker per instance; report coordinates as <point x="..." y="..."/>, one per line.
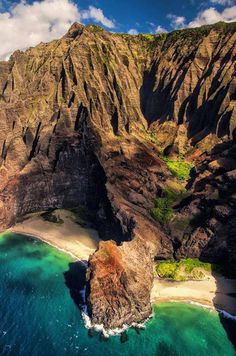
<point x="179" y="168"/>
<point x="188" y="269"/>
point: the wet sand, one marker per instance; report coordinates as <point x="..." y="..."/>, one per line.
<point x="216" y="292"/>
<point x="68" y="236"/>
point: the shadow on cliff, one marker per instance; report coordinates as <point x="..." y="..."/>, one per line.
<point x="159" y="99"/>
<point x="221" y="247"/>
<point x="213" y="206"/>
<point x="225" y="295"/>
<point x="75" y="281"/>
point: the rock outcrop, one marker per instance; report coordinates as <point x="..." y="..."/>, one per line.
<point x="83" y="121"/>
<point x="120" y="283"/>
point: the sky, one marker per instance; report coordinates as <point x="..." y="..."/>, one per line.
<point x="26" y="23"/>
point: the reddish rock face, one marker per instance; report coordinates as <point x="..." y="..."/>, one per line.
<point x="78" y="117"/>
<point x="120" y="283"/>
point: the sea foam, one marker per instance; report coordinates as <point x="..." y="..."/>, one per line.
<point x="100" y="327"/>
<point x="111" y="332"/>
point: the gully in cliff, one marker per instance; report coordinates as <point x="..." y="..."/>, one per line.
<point x="110" y="122"/>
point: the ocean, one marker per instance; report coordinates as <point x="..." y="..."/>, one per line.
<point x="38" y="314"/>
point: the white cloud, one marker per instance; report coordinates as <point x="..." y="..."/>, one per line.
<point x="176" y="22"/>
<point x="211" y="15"/>
<point x="98" y="16"/>
<point x="156" y="29"/>
<point x="26" y="25"/>
<point x="133" y="31"/>
<point x="222" y="2"/>
<point x="151" y="24"/>
<point x="160" y="29"/>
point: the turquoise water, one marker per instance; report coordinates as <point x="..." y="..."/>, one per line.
<point x="38" y="315"/>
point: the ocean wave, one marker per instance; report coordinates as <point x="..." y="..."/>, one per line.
<point x="117" y="331"/>
<point x="226" y="315"/>
<point x="205" y="306"/>
<point x="112" y="332"/>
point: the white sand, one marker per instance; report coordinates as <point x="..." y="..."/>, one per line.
<point x="217" y="292"/>
<point x="69" y="237"/>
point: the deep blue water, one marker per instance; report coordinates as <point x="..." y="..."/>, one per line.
<point x="39" y="317"/>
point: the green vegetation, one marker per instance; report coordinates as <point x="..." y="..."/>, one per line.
<point x="94" y="28"/>
<point x="146" y="39"/>
<point x="153" y="38"/>
<point x="188" y="269"/>
<point x="188" y="36"/>
<point x="179" y="168"/>
<point x="151" y="137"/>
<point x="51" y="217"/>
<point x="191" y="35"/>
<point x="124" y="35"/>
<point x="163" y="212"/>
<point x="152" y="41"/>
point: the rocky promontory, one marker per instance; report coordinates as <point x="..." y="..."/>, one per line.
<point x="91" y="120"/>
<point x="120" y="283"/>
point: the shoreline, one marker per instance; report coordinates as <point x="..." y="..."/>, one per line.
<point x="40" y="238"/>
<point x="68" y="237"/>
<point x="216" y="293"/>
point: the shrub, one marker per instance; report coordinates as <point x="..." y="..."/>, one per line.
<point x="188" y="269"/>
<point x="163" y="212"/>
<point x="179" y="168"/>
<point x="51" y="217"/>
<point x="170" y="194"/>
<point x="166" y="269"/>
<point x="190" y="263"/>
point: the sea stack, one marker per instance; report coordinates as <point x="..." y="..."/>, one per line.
<point x="120" y="280"/>
<point x="122" y="125"/>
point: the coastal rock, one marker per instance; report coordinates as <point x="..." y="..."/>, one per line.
<point x="120" y="280"/>
<point x="84" y="121"/>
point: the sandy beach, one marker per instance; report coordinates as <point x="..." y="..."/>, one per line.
<point x="69" y="236"/>
<point x="216" y="292"/>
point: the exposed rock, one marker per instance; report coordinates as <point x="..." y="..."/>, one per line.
<point x="82" y="122"/>
<point x="210" y="232"/>
<point x="120" y="284"/>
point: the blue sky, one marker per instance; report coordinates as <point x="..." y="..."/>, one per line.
<point x="25" y="23"/>
<point x="141" y="14"/>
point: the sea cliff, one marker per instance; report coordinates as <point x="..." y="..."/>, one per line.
<point x="92" y="119"/>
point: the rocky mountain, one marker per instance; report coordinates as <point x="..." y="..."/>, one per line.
<point x="86" y="120"/>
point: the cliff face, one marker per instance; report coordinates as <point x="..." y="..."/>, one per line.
<point x="76" y="118"/>
<point x="210" y="210"/>
<point x="190" y="88"/>
<point x="121" y="280"/>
